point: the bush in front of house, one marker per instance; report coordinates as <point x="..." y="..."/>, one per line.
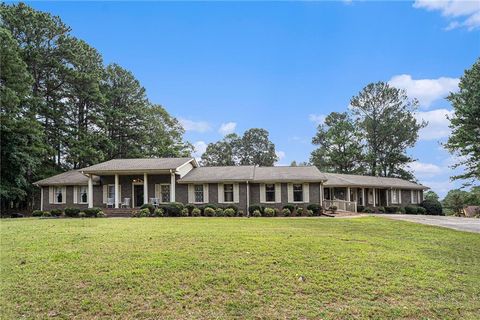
<point x="421" y="210"/>
<point x="401" y="210"/>
<point x="190" y="208"/>
<point x="196" y="212"/>
<point x="81" y="214"/>
<point x="101" y="214"/>
<point x="173" y="209"/>
<point x="240" y="213"/>
<point x="46" y="214"/>
<point x="158" y="212"/>
<point x="229" y="212"/>
<point x="367" y="210"/>
<point x="268" y="212"/>
<point x="290" y="207"/>
<point x="286" y="212"/>
<point x="148" y="206"/>
<point x="333" y="209"/>
<point x="219" y="212"/>
<point x="360" y="208"/>
<point x="309" y="213"/>
<point x="411" y="210"/>
<point x="209" y="212"/>
<point x="315" y="208"/>
<point x="72" y="212"/>
<point x="432" y="207"/>
<point x="300" y="211"/>
<point x="256" y="213"/>
<point x="254" y="207"/>
<point x="185" y="212"/>
<point x="37" y="213"/>
<point x="233" y="207"/>
<point x="92" y="212"/>
<point x="56" y="212"/>
<point x="392" y="209"/>
<point x="381" y="209"/>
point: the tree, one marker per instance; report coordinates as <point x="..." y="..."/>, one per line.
<point x="385" y="118"/>
<point x="456" y="200"/>
<point x="431" y="195"/>
<point x="340" y="149"/>
<point x="465" y="125"/>
<point x="20" y="133"/>
<point x="253" y="148"/>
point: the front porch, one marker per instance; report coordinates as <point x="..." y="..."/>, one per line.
<point x="366" y="197"/>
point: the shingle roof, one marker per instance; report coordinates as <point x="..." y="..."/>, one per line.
<point x="68" y="178"/>
<point x="137" y="164"/>
<point x="253" y="174"/>
<point x="279" y="174"/>
<point x="218" y="174"/>
<point x="337" y="179"/>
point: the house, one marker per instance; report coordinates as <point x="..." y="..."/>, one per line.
<point x="132" y="182"/>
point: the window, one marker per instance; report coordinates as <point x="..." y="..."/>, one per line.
<point x="270" y="193"/>
<point x="297" y="193"/>
<point x="414" y="196"/>
<point x="395" y="196"/>
<point x="111" y="191"/>
<point x="83" y="194"/>
<point x="59" y="194"/>
<point x="228" y="192"/>
<point x="198" y="190"/>
<point x="165" y="192"/>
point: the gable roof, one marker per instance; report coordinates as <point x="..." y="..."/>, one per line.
<point x="219" y="174"/>
<point x="69" y="178"/>
<point x="138" y="165"/>
<point x="252" y="174"/>
<point x="338" y="179"/>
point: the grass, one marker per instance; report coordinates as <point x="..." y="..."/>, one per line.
<point x="199" y="268"/>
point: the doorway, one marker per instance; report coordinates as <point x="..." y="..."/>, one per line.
<point x="137" y="195"/>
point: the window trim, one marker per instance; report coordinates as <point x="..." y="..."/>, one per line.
<point x="194" y="193"/>
<point x="293" y="192"/>
<point x="274" y="193"/>
<point x="169" y="192"/>
<point x="79" y="200"/>
<point x="397" y="195"/>
<point x="64" y="195"/>
<point x="233" y="193"/>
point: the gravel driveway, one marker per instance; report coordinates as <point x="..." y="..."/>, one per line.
<point x="457" y="223"/>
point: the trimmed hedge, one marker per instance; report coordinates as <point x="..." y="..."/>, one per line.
<point x="256" y="213"/>
<point x="411" y="210"/>
<point x="196" y="212"/>
<point x="315" y="208"/>
<point x="173" y="209"/>
<point x="392" y="209"/>
<point x="421" y="210"/>
<point x="290" y="207"/>
<point x="56" y="212"/>
<point x="229" y="212"/>
<point x="254" y="207"/>
<point x="92" y="212"/>
<point x="268" y="212"/>
<point x="209" y="212"/>
<point x="37" y="213"/>
<point x="72" y="212"/>
<point x="432" y="207"/>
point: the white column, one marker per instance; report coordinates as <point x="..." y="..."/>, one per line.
<point x="172" y="186"/>
<point x="374" y="197"/>
<point x="363" y="197"/>
<point x="386" y="196"/>
<point x="348" y="194"/>
<point x="41" y="198"/>
<point x="90" y="191"/>
<point x="117" y="191"/>
<point x="145" y="188"/>
<point x="248" y="197"/>
<point x="321" y="195"/>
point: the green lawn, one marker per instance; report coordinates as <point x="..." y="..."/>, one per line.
<point x="199" y="268"/>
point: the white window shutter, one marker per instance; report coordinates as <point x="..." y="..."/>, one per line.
<point x="157" y="190"/>
<point x="105" y="193"/>
<point x="220" y="193"/>
<point x="75" y="194"/>
<point x="262" y="193"/>
<point x="50" y="195"/>
<point x="64" y="193"/>
<point x="278" y="192"/>
<point x="236" y="193"/>
<point x="399" y="196"/>
<point x="306" y="192"/>
<point x="191" y="193"/>
<point x="290" y="193"/>
<point x="205" y="193"/>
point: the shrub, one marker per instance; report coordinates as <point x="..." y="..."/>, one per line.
<point x="310" y="213"/>
<point x="240" y="213"/>
<point x="432" y="207"/>
<point x="46" y="214"/>
<point x="37" y="213"/>
<point x="148" y="206"/>
<point x="72" y="212"/>
<point x="290" y="207"/>
<point x="333" y="209"/>
<point x="229" y="212"/>
<point x="158" y="212"/>
<point x="101" y="214"/>
<point x="277" y="212"/>
<point x="286" y="212"/>
<point x="360" y="208"/>
<point x="173" y="209"/>
<point x="145" y="212"/>
<point x="219" y="212"/>
<point x="92" y="212"/>
<point x="256" y="213"/>
<point x="210" y="205"/>
<point x="185" y="212"/>
<point x="254" y="207"/>
<point x="392" y="209"/>
<point x="401" y="210"/>
<point x="190" y="207"/>
<point x="82" y="214"/>
<point x="315" y="208"/>
<point x="209" y="212"/>
<point x="367" y="210"/>
<point x="56" y="212"/>
<point x="410" y="210"/>
<point x="196" y="212"/>
<point x="381" y="209"/>
<point x="300" y="211"/>
<point x="421" y="210"/>
<point x="268" y="212"/>
<point x="233" y="207"/>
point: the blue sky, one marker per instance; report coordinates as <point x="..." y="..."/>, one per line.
<point x="283" y="66"/>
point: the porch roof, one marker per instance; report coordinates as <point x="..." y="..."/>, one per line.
<point x="287" y="174"/>
<point x="351" y="180"/>
<point x="138" y="165"/>
<point x="69" y="178"/>
<point x="219" y="174"/>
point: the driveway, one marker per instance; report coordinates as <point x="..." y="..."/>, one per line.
<point x="457" y="223"/>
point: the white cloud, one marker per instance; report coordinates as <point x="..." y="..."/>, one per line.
<point x="425" y="90"/>
<point x="422" y="169"/>
<point x="463" y="13"/>
<point x="227" y="128"/>
<point x="280" y="155"/>
<point x="438" y="122"/>
<point x="317" y="118"/>
<point x="199" y="148"/>
<point x="198" y="126"/>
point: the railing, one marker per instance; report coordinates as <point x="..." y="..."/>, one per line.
<point x="341" y="205"/>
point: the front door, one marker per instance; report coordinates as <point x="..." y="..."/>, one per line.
<point x="138" y="195"/>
